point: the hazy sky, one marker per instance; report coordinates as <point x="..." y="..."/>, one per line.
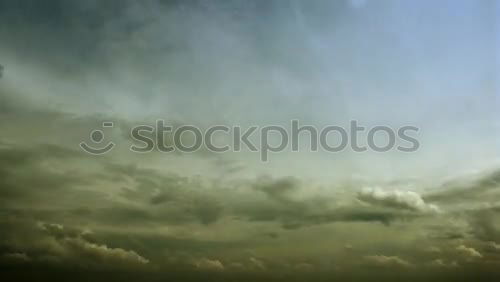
<point x="304" y="216"/>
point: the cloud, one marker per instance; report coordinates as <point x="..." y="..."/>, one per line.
<point x="407" y="200"/>
<point x="433" y="250"/>
<point x="387" y="261"/>
<point x="209" y="264"/>
<point x="484" y="223"/>
<point x="443" y="264"/>
<point x="308" y="212"/>
<point x="26" y="172"/>
<point x="304" y="267"/>
<point x="35" y="174"/>
<point x="257" y="263"/>
<point x="71" y="64"/>
<point x="494" y="246"/>
<point x="75" y="243"/>
<point x="279" y="189"/>
<point x="471" y="188"/>
<point x="468" y="252"/>
<point x="285" y="204"/>
<point x="41" y="242"/>
<point x="102" y="253"/>
<point x="15" y="258"/>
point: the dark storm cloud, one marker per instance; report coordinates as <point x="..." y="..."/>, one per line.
<point x="485" y="224"/>
<point x="26" y="123"/>
<point x="72" y="28"/>
<point x="83" y="31"/>
<point x="59" y="246"/>
<point x="146" y="197"/>
<point x="156" y="198"/>
<point x="38" y="173"/>
<point x="24" y="174"/>
<point x="278" y="189"/>
<point x="182" y="212"/>
<point x="474" y="199"/>
<point x="56" y="245"/>
<point x="302" y="214"/>
<point x="170" y="198"/>
<point x="476" y="188"/>
<point x="284" y="205"/>
<point x="47" y="243"/>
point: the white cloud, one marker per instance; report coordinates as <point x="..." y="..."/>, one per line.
<point x="71" y="243"/>
<point x="469" y="252"/>
<point x="257" y="263"/>
<point x="443" y="263"/>
<point x="493" y="246"/>
<point x="396" y="198"/>
<point x="104" y="252"/>
<point x="209" y="264"/>
<point x="380" y="260"/>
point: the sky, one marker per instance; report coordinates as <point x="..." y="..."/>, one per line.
<point x="428" y="215"/>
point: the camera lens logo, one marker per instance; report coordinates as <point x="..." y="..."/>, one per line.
<point x="97" y="136"/>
